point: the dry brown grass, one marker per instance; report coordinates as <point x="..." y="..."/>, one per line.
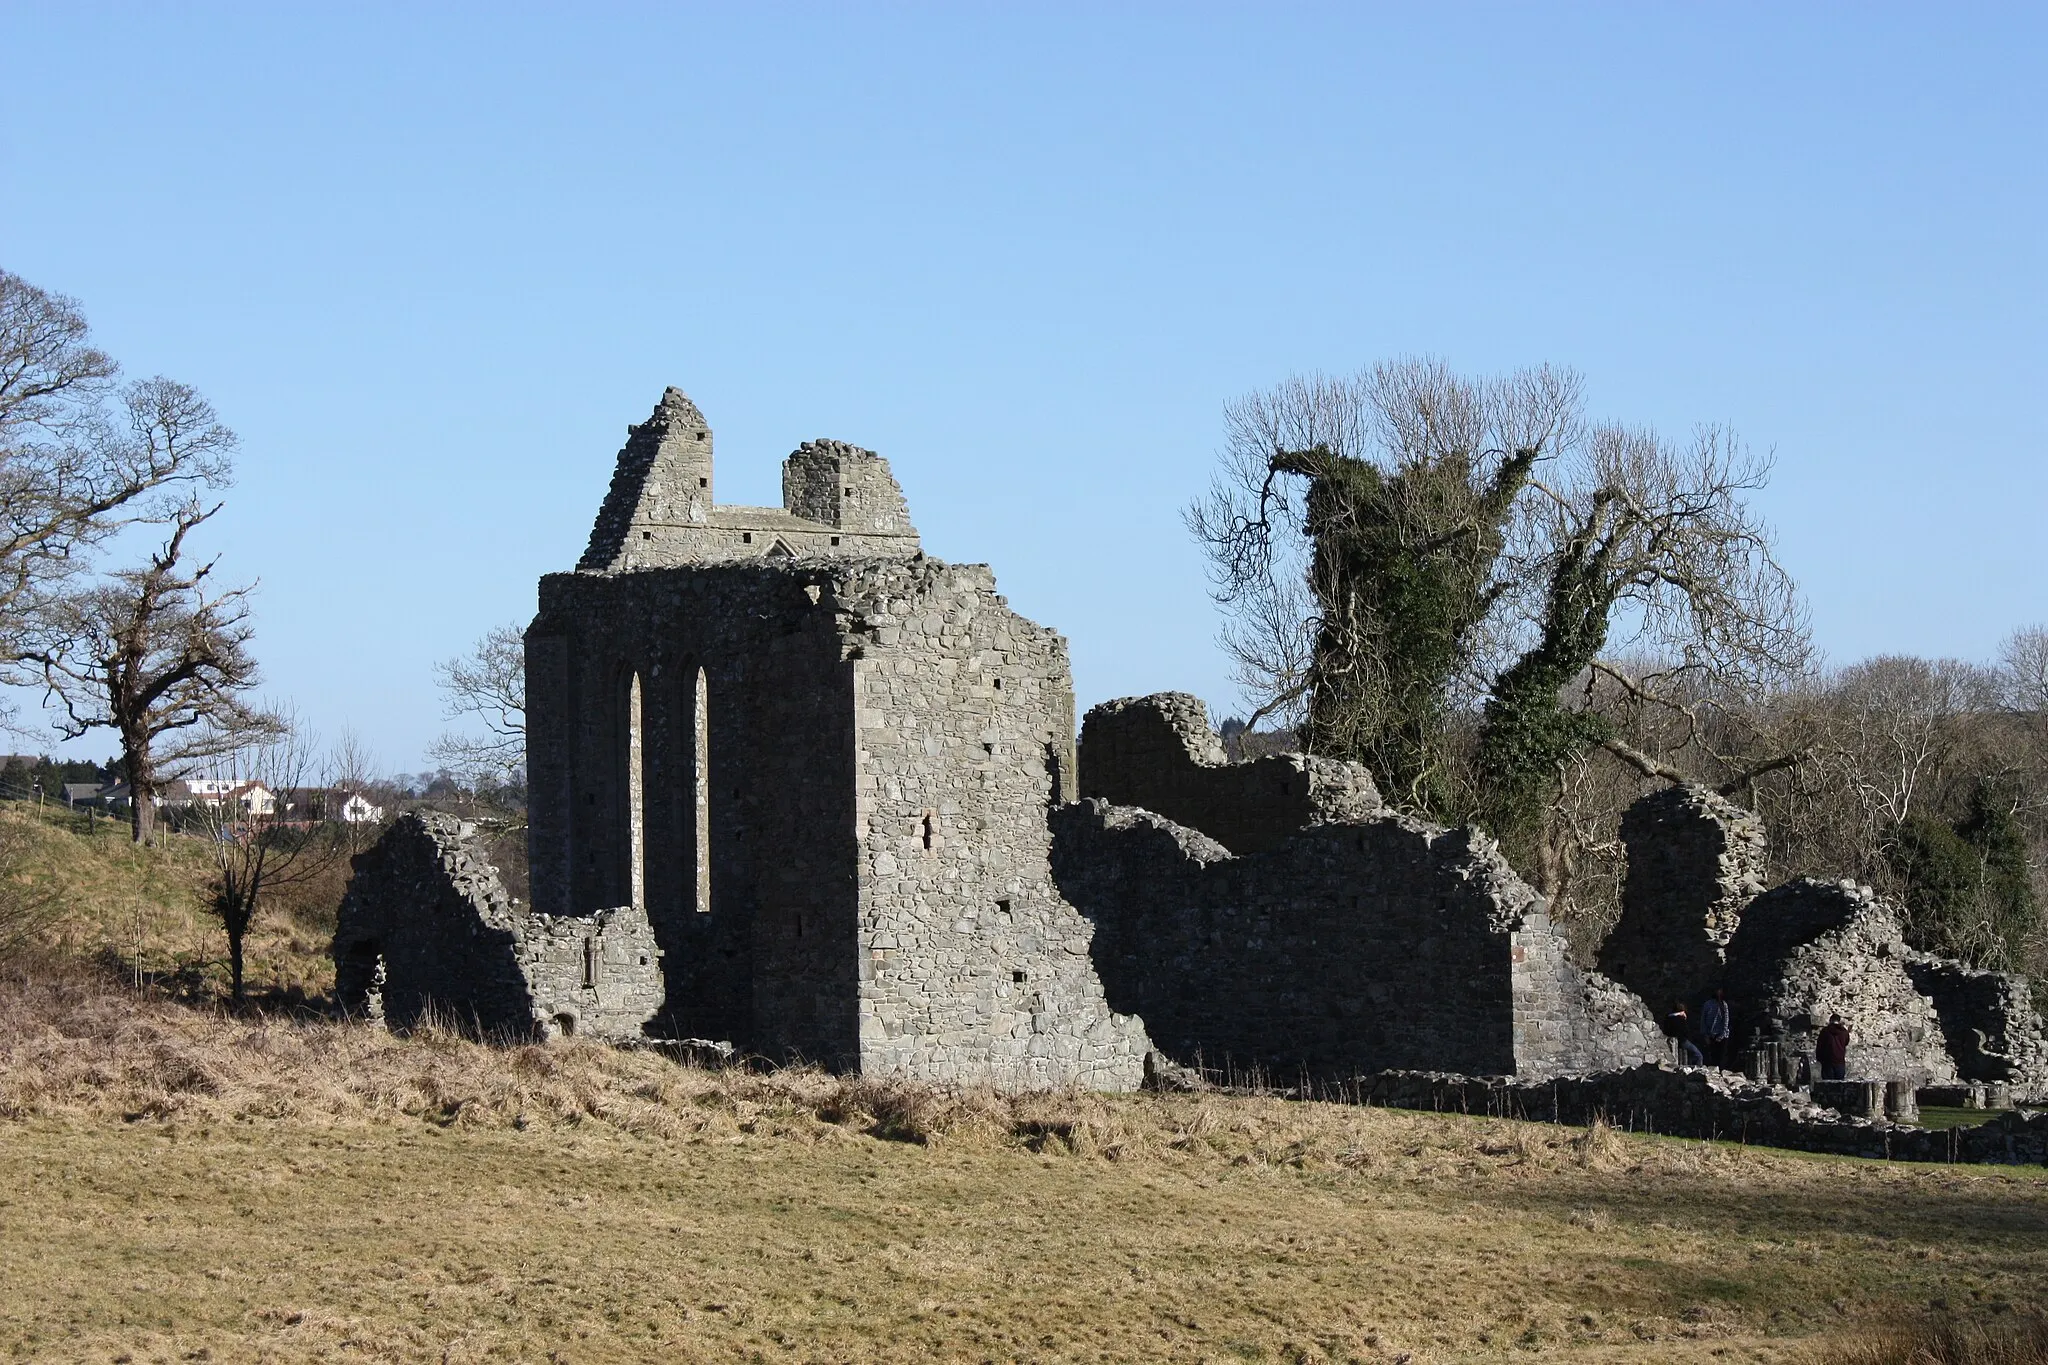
<point x="176" y="1181"/>
<point x="1945" y="1341"/>
<point x="140" y="912"/>
<point x="180" y="1183"/>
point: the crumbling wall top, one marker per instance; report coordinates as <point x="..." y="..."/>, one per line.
<point x="1158" y="753"/>
<point x="838" y="499"/>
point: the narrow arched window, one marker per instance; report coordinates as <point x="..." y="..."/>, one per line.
<point x="700" y="789"/>
<point x="636" y="797"/>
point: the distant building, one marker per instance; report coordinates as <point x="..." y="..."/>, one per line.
<point x="331" y="803"/>
<point x="78" y="794"/>
<point x="246" y="798"/>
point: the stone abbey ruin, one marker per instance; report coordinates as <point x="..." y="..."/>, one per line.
<point x="797" y="786"/>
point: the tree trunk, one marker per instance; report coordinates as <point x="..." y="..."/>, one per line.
<point x="235" y="933"/>
<point x="141" y="787"/>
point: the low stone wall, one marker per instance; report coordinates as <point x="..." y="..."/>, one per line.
<point x="1702" y="1103"/>
<point x="426" y="929"/>
<point x="1159" y="754"/>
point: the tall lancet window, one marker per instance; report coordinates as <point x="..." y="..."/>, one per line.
<point x="700" y="792"/>
<point x="636" y="797"/>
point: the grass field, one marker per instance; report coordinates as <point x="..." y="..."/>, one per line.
<point x="179" y="1183"/>
<point x="176" y="1185"/>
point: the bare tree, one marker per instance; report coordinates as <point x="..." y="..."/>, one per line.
<point x="77" y="460"/>
<point x="258" y="849"/>
<point x="2023" y="669"/>
<point x="487" y="686"/>
<point x="351" y="772"/>
<point x="157" y="656"/>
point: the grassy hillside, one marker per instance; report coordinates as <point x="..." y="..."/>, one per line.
<point x="140" y="913"/>
<point x="181" y="1183"/>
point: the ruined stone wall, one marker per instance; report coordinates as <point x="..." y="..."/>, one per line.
<point x="1695" y="860"/>
<point x="425" y="927"/>
<point x="1704" y="1103"/>
<point x="1988" y="1022"/>
<point x="746" y="845"/>
<point x="662" y="478"/>
<point x="1348" y="948"/>
<point x="881" y="741"/>
<point x="659" y="511"/>
<point x="1159" y="754"/>
<point x="1811" y="948"/>
<point x="1568" y="1019"/>
<point x="971" y="964"/>
<point x="842" y="485"/>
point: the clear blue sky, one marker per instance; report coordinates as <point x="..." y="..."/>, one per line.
<point x="430" y="260"/>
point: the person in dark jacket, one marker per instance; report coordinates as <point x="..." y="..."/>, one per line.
<point x="1717" y="1024"/>
<point x="1831" y="1050"/>
<point x="1678" y="1028"/>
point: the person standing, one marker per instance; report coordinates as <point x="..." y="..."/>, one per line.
<point x="1831" y="1050"/>
<point x="1718" y="1025"/>
<point x="1678" y="1028"/>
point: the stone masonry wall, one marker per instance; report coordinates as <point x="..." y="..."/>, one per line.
<point x="426" y="927"/>
<point x="1347" y="949"/>
<point x="1695" y="860"/>
<point x="744" y="772"/>
<point x="660" y="512"/>
<point x="1158" y="753"/>
<point x="971" y="964"/>
<point x="1988" y="1021"/>
<point x="1811" y="948"/>
<point x="845" y="486"/>
<point x="1705" y="1103"/>
<point x="846" y="859"/>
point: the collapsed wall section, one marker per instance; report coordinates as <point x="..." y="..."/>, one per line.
<point x="1158" y="753"/>
<point x="971" y="964"/>
<point x="1988" y="1023"/>
<point x="1810" y="949"/>
<point x="1695" y="859"/>
<point x="426" y="930"/>
<point x="1347" y="949"/>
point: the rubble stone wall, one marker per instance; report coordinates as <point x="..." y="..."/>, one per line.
<point x="861" y="808"/>
<point x="1347" y="949"/>
<point x="1707" y="1104"/>
<point x="1695" y="860"/>
<point x="838" y="499"/>
<point x="426" y="928"/>
<point x="1159" y="754"/>
<point x="1988" y="1022"/>
<point x="744" y="773"/>
<point x="972" y="966"/>
<point x="1809" y="949"/>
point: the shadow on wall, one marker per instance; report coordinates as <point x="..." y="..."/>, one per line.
<point x="427" y="932"/>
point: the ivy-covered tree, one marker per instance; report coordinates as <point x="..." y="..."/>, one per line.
<point x="1355" y="534"/>
<point x="1425" y="571"/>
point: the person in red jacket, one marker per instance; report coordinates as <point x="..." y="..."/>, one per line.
<point x="1831" y="1050"/>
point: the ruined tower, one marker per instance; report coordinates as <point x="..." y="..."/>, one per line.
<point x="821" y="763"/>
